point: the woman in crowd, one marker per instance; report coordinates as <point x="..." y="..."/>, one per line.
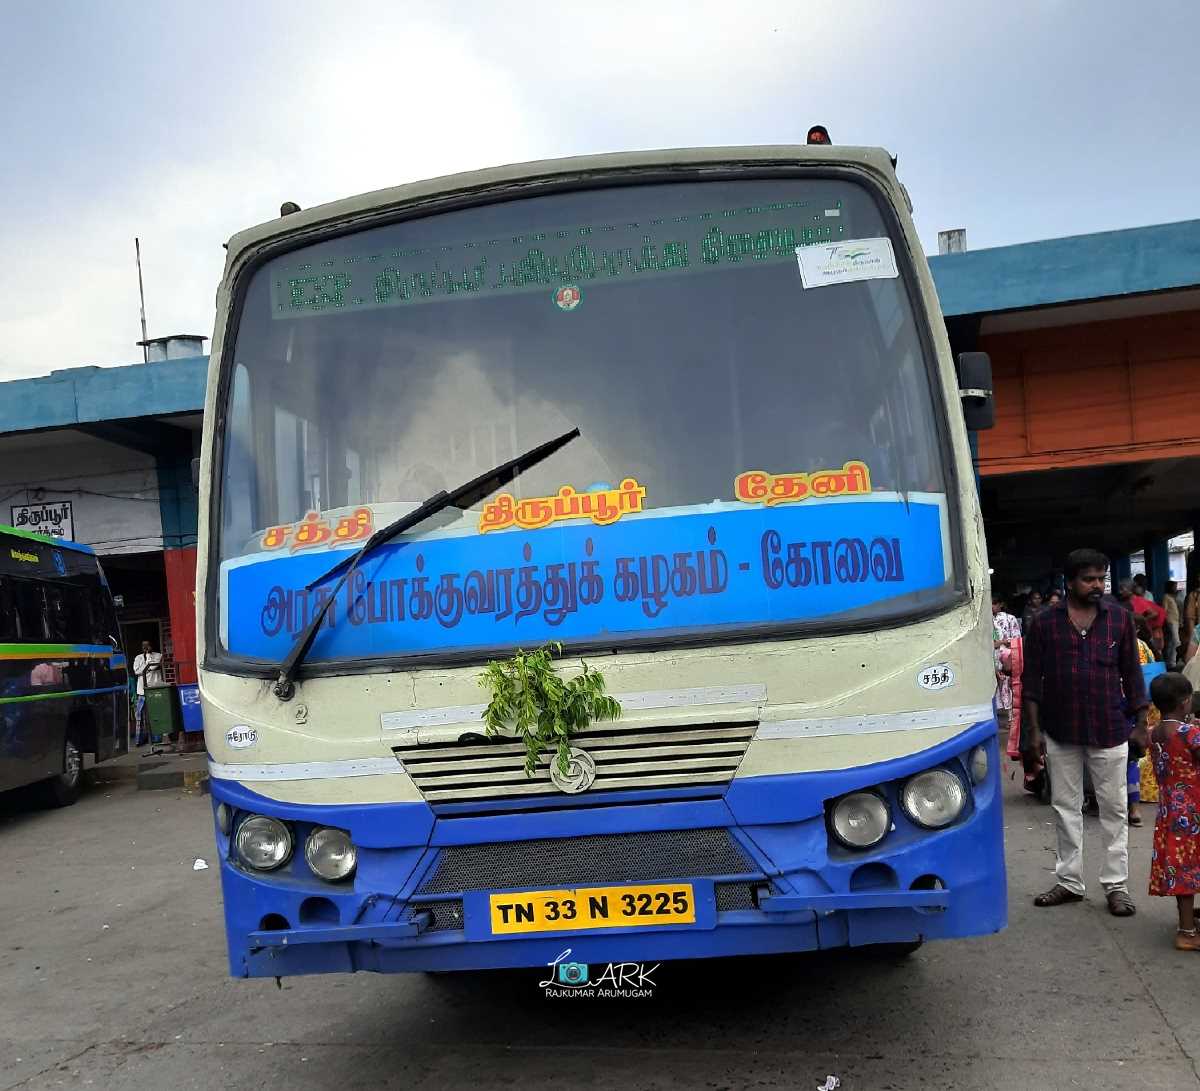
<point x="1033" y="603"/>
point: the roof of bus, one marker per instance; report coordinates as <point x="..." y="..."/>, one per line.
<point x="580" y="166"/>
<point x="62" y="543"/>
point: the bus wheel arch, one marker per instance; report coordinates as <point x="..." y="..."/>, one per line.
<point x="63" y="789"/>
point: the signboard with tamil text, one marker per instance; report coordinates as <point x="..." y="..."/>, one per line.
<point x="764" y="559"/>
<point x="54" y="519"/>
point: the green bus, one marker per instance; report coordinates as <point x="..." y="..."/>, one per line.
<point x="63" y="682"/>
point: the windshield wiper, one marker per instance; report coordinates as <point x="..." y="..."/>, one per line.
<point x="463" y="497"/>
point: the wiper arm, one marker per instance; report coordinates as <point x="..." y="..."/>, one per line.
<point x="465" y="496"/>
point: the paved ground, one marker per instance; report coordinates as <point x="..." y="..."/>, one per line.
<point x="112" y="976"/>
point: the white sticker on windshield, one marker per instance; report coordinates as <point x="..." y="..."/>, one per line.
<point x="843" y="262"/>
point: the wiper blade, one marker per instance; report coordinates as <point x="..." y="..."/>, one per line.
<point x="465" y="496"/>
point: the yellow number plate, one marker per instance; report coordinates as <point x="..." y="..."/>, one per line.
<point x="593" y="907"/>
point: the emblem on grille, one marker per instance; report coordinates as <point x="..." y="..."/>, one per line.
<point x="581" y="772"/>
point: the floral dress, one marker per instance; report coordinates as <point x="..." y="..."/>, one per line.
<point x="1175" y="865"/>
<point x="1007" y="628"/>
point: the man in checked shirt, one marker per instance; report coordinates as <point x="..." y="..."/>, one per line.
<point x="1082" y="682"/>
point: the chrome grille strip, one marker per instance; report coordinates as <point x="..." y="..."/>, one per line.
<point x="436" y="767"/>
<point x="636" y="757"/>
<point x="544" y="787"/>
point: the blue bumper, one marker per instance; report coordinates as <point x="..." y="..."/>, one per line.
<point x="782" y="883"/>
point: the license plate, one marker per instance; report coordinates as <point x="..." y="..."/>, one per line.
<point x="592" y="907"/>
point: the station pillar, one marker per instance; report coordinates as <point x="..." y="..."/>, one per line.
<point x="1158" y="566"/>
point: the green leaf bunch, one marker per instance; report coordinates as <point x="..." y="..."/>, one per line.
<point x="529" y="697"/>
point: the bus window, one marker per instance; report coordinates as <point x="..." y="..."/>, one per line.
<point x="30" y="612"/>
<point x="67" y="613"/>
<point x="103" y="622"/>
<point x="9" y="631"/>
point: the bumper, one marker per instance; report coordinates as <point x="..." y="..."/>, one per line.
<point x="796" y="889"/>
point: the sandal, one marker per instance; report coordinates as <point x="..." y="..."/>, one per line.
<point x="1187" y="941"/>
<point x="1120" y="904"/>
<point x="1057" y="895"/>
<point x="1135" y="819"/>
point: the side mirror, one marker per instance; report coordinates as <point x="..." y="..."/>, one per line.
<point x="195" y="473"/>
<point x="975" y="390"/>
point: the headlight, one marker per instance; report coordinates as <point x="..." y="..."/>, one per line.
<point x="224" y="818"/>
<point x="978" y="764"/>
<point x="264" y="843"/>
<point x="860" y="820"/>
<point x="933" y="799"/>
<point x="330" y="853"/>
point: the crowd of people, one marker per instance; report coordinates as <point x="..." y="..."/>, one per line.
<point x="1072" y="693"/>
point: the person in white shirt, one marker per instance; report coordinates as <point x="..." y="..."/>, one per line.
<point x="147" y="666"/>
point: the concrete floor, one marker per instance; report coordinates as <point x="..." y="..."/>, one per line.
<point x="112" y="975"/>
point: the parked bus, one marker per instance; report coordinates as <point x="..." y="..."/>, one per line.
<point x="692" y="415"/>
<point x="62" y="673"/>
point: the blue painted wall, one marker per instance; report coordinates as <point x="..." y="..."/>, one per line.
<point x="87" y="394"/>
<point x="178" y="501"/>
<point x="1081" y="267"/>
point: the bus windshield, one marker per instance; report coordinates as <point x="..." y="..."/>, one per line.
<point x="760" y="446"/>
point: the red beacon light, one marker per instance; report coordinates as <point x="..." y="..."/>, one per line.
<point x="818" y="134"/>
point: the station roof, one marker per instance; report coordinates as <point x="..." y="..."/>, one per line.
<point x="87" y="395"/>
<point x="1079" y="268"/>
<point x="1138" y="261"/>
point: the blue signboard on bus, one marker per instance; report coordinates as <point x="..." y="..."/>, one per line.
<point x="719" y="566"/>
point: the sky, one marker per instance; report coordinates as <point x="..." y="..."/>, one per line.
<point x="183" y="123"/>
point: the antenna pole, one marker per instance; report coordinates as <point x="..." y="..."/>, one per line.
<point x="137" y="247"/>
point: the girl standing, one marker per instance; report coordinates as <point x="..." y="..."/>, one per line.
<point x="1175" y="751"/>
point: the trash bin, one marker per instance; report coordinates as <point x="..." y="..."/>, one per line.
<point x="162" y="711"/>
<point x="189" y="707"/>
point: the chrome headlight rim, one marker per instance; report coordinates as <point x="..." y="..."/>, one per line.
<point x="258" y="822"/>
<point x="953" y="783"/>
<point x="869" y="796"/>
<point x="318" y="840"/>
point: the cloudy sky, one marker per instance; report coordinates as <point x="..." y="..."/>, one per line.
<point x="182" y="122"/>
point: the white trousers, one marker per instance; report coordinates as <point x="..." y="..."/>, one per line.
<point x="1108" y="769"/>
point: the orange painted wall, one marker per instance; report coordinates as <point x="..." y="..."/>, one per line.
<point x="1104" y="392"/>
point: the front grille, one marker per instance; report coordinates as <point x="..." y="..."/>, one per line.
<point x="447" y="916"/>
<point x="731" y="895"/>
<point x="627" y="758"/>
<point x="595" y="859"/>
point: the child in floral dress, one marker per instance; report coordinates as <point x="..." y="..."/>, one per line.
<point x="1175" y="751"/>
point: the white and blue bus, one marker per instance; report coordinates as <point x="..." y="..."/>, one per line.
<point x="694" y="416"/>
<point x="62" y="672"/>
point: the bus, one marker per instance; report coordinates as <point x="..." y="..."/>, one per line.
<point x="63" y="681"/>
<point x="691" y="419"/>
